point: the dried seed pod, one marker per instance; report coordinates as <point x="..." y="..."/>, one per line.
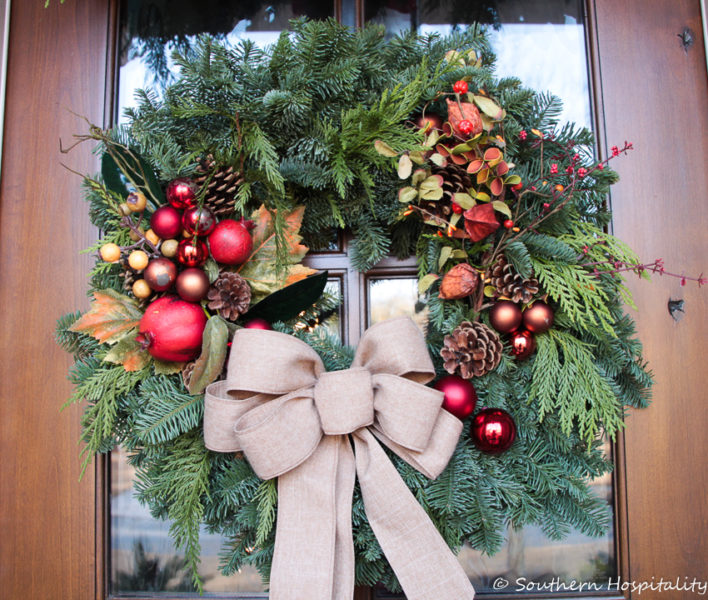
<point x="458" y="282"/>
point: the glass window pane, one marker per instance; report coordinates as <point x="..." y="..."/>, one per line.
<point x="390" y="297"/>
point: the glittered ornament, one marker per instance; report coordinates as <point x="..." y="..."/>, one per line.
<point x="192" y="284"/>
<point x="192" y="253"/>
<point x="181" y="193"/>
<point x="460" y="395"/>
<point x="231" y="242"/>
<point x="166" y="222"/>
<point x="538" y="318"/>
<point x="505" y="316"/>
<point x="522" y="344"/>
<point x="257" y="323"/>
<point x="493" y="430"/>
<point x="198" y="220"/>
<point x="160" y="274"/>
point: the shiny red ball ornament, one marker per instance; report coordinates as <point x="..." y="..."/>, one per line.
<point x="198" y="221"/>
<point x="181" y="192"/>
<point x="505" y="316"/>
<point x="538" y="318"/>
<point x="166" y="222"/>
<point x="257" y="323"/>
<point x="192" y="284"/>
<point x="231" y="242"/>
<point x="171" y="329"/>
<point x="460" y="395"/>
<point x="522" y="344"/>
<point x="192" y="253"/>
<point x="493" y="430"/>
<point x="160" y="274"/>
<point x="460" y="87"/>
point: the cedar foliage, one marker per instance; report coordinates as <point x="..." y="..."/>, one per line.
<point x="301" y="119"/>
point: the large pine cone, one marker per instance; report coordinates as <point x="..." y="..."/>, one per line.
<point x="510" y="284"/>
<point x="222" y="187"/>
<point x="473" y="348"/>
<point x="230" y="294"/>
<point x="455" y="179"/>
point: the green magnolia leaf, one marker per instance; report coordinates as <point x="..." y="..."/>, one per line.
<point x="489" y="107"/>
<point x="164" y="367"/>
<point x="112" y="176"/>
<point x="211" y="268"/>
<point x="417" y="157"/>
<point x="425" y="282"/>
<point x="407" y="194"/>
<point x="461" y="148"/>
<point x="129" y="353"/>
<point x="459" y="254"/>
<point x="445" y="254"/>
<point x="435" y="194"/>
<point x="405" y="167"/>
<point x="418" y="176"/>
<point x="111" y="317"/>
<point x="432" y="183"/>
<point x="432" y="138"/>
<point x="502" y="207"/>
<point x="482" y="196"/>
<point x="464" y="200"/>
<point x="291" y="300"/>
<point x="211" y="360"/>
<point x="437" y="159"/>
<point x="384" y="149"/>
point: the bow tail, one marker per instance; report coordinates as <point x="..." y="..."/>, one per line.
<point x="314" y="551"/>
<point x="422" y="561"/>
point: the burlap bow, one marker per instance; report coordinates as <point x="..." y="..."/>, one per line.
<point x="294" y="421"/>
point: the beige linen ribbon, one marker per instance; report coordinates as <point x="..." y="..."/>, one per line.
<point x="297" y="422"/>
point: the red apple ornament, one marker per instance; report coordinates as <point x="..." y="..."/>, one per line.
<point x="230" y="242"/>
<point x="171" y="329"/>
<point x="460" y="395"/>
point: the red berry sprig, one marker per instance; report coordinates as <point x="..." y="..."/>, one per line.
<point x="465" y="127"/>
<point x="460" y="87"/>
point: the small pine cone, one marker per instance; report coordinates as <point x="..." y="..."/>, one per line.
<point x="129" y="278"/>
<point x="510" y="284"/>
<point x="187" y="371"/>
<point x="455" y="179"/>
<point x="230" y="294"/>
<point x="222" y="187"/>
<point x="473" y="348"/>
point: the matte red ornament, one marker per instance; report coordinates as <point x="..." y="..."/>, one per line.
<point x="460" y="395"/>
<point x="231" y="242"/>
<point x="171" y="329"/>
<point x="192" y="284"/>
<point x="522" y="344"/>
<point x="160" y="274"/>
<point x="258" y="323"/>
<point x="198" y="221"/>
<point x="166" y="222"/>
<point x="181" y="192"/>
<point x="192" y="253"/>
<point x="538" y="318"/>
<point x="505" y="316"/>
<point x="493" y="430"/>
<point x="480" y="221"/>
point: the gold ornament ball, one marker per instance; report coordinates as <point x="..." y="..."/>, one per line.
<point x="141" y="289"/>
<point x="110" y="252"/>
<point x="152" y="237"/>
<point x="169" y="248"/>
<point x="136" y="201"/>
<point x="138" y="260"/>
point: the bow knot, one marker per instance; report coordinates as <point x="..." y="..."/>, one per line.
<point x="293" y="421"/>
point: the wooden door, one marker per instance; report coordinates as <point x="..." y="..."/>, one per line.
<point x="654" y="93"/>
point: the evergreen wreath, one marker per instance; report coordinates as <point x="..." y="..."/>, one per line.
<point x="414" y="146"/>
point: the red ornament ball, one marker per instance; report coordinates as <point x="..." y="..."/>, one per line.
<point x="465" y="127"/>
<point x="505" y="316"/>
<point x="460" y="395"/>
<point x="198" y="221"/>
<point x="493" y="430"/>
<point x="460" y="87"/>
<point x="522" y="344"/>
<point x="181" y="193"/>
<point x="192" y="284"/>
<point x="166" y="222"/>
<point x="230" y="242"/>
<point x="171" y="329"/>
<point x="192" y="253"/>
<point x="538" y="318"/>
<point x="160" y="274"/>
<point x="257" y="323"/>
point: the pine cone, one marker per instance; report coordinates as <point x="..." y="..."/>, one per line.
<point x="230" y="294"/>
<point x="510" y="284"/>
<point x="455" y="179"/>
<point x="129" y="278"/>
<point x="187" y="371"/>
<point x="222" y="187"/>
<point x="473" y="348"/>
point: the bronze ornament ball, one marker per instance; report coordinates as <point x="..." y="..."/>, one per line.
<point x="160" y="274"/>
<point x="192" y="284"/>
<point x="505" y="316"/>
<point x="538" y="318"/>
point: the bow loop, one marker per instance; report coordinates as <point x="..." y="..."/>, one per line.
<point x="345" y="400"/>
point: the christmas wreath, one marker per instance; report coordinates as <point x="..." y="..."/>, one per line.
<point x="209" y="199"/>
